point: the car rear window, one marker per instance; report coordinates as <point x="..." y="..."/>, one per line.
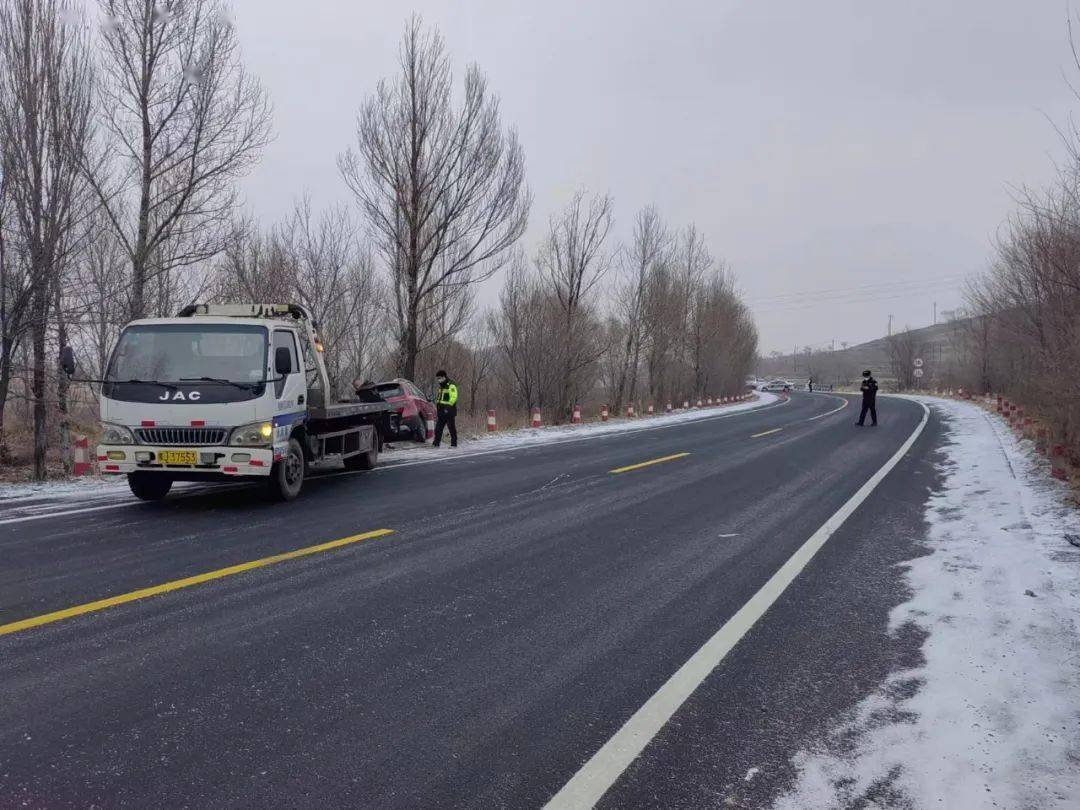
<point x="390" y="390"/>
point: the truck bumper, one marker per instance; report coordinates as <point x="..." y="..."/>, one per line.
<point x="212" y="462"/>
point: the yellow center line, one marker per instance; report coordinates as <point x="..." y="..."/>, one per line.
<point x="186" y="582"/>
<point x="766" y="433"/>
<point x="649" y="463"/>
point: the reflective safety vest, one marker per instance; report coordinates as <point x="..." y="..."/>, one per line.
<point x="448" y="394"/>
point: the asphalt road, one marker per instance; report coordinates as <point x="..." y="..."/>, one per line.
<point x="525" y="605"/>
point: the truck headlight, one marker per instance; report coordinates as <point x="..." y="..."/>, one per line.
<point x="116" y="434"/>
<point x="257" y="434"/>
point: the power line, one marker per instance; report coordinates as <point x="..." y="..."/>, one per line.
<point x="857" y="289"/>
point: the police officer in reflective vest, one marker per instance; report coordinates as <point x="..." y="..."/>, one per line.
<point x="446" y="405"/>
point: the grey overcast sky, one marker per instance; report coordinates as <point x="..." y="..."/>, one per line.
<point x="835" y="145"/>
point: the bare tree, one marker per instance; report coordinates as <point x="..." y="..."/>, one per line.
<point x="331" y="278"/>
<point x="442" y="188"/>
<point x="574" y="261"/>
<point x="97" y="295"/>
<point x="525" y="326"/>
<point x="649" y="248"/>
<point x="15" y="289"/>
<point x="904" y="347"/>
<point x="693" y="260"/>
<point x="185" y="121"/>
<point x="45" y="127"/>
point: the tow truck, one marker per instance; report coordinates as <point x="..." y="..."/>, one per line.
<point x="224" y="392"/>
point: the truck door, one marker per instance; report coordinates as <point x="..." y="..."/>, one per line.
<point x="289" y="391"/>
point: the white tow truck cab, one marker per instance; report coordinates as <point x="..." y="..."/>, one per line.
<point x="228" y="391"/>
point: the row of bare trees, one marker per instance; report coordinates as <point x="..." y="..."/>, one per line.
<point x="124" y="128"/>
<point x="657" y="319"/>
<point x="1023" y="338"/>
<point x="122" y="133"/>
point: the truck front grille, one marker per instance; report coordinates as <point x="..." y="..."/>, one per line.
<point x="186" y="436"/>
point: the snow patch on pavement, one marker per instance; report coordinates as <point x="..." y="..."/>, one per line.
<point x="992" y="718"/>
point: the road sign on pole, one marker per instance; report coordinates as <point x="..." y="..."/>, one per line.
<point x="918" y="372"/>
<point x="918" y="362"/>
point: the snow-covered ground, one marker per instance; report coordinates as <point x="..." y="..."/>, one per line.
<point x="992" y="719"/>
<point x="21" y="500"/>
<point x="525" y="437"/>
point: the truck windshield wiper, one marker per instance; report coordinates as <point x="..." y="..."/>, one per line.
<point x="241" y="385"/>
<point x="133" y="381"/>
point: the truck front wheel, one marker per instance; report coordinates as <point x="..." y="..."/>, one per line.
<point x="287" y="475"/>
<point x="149" y="486"/>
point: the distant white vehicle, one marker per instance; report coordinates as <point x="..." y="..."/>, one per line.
<point x="776" y="385"/>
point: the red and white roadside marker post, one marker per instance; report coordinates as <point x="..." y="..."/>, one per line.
<point x="492" y="425"/>
<point x="668" y="408"/>
<point x="429" y="432"/>
<point x="536" y="417"/>
<point x="651" y="410"/>
<point x="575" y="418"/>
<point x="629" y="411"/>
<point x="699" y="403"/>
<point x="603" y="413"/>
<point x="82" y="464"/>
<point x="685" y="404"/>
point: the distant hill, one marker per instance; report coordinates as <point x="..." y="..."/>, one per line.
<point x="938" y="346"/>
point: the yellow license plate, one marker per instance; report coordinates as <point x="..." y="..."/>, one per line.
<point x="178" y="457"/>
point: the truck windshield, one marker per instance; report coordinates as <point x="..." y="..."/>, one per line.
<point x="223" y="362"/>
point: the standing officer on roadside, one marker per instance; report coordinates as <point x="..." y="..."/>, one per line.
<point x="869" y="399"/>
<point x="446" y="406"/>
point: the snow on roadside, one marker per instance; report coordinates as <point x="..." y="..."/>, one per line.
<point x="34" y="498"/>
<point x="992" y="718"/>
<point x="527" y="437"/>
<point x="88" y="486"/>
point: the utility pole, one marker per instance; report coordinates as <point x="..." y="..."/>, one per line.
<point x="795" y="359"/>
<point x="890" y="326"/>
<point x="935" y="313"/>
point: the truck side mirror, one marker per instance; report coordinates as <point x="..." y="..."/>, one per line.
<point x="67" y="360"/>
<point x="282" y="361"/>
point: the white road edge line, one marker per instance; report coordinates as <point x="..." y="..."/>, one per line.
<point x="596" y="776"/>
<point x="412" y="462"/>
<point x="844" y="404"/>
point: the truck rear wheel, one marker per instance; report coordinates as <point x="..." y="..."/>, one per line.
<point x="149" y="486"/>
<point x="287" y="476"/>
<point x="365" y="461"/>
